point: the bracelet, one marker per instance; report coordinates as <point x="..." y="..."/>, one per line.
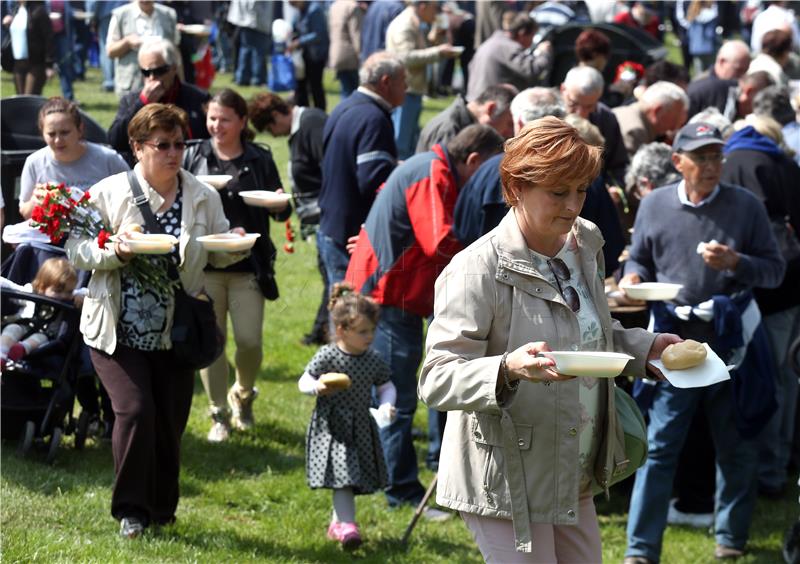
<point x="504" y="368"/>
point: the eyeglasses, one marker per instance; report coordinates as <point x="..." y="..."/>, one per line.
<point x="562" y="274"/>
<point x="164" y="146"/>
<point x="706" y="159"/>
<point x="158" y="71"/>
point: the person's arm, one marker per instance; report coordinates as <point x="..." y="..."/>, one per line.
<point x="118" y="45"/>
<point x="84" y="252"/>
<point x="760" y="263"/>
<point x="118" y="132"/>
<point x="354" y="23"/>
<point x="640" y="260"/>
<point x="375" y="159"/>
<point x="430" y="213"/>
<point x="308" y="385"/>
<point x="404" y="45"/>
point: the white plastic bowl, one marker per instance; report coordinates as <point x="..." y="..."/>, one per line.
<point x="265" y="199"/>
<point x="589" y="363"/>
<point x="652" y="291"/>
<point x="196" y="29"/>
<point x="151" y="243"/>
<point x="218" y="181"/>
<point x="228" y="242"/>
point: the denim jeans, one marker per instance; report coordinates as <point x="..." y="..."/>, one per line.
<point x="398" y="340"/>
<point x="348" y="80"/>
<point x="406" y="125"/>
<point x="252" y="64"/>
<point x="776" y="439"/>
<point x="66" y="71"/>
<point x="335" y="258"/>
<point x="737" y="463"/>
<point x="106" y="63"/>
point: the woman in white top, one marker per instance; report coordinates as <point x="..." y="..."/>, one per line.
<point x="67" y="157"/>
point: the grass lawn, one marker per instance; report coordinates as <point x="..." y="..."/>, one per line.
<point x="247" y="500"/>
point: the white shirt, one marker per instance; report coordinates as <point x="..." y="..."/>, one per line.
<point x="684" y="198"/>
<point x="19" y="34"/>
<point x="773" y="17"/>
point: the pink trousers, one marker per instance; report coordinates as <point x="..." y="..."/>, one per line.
<point x="578" y="544"/>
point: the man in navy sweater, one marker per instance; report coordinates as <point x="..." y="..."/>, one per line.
<point x="359" y="153"/>
<point x="716" y="240"/>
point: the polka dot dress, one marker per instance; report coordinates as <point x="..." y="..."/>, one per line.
<point x="343" y="448"/>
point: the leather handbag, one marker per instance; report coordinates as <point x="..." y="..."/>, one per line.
<point x="196" y="339"/>
<point x="635" y="431"/>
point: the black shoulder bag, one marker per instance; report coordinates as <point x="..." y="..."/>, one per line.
<point x="196" y="340"/>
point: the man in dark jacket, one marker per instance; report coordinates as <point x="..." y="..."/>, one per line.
<point x="359" y="154"/>
<point x="712" y="88"/>
<point x="376" y="20"/>
<point x="158" y="60"/>
<point x="405" y="243"/>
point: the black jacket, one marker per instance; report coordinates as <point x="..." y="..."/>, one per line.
<point x="709" y="91"/>
<point x="615" y="156"/>
<point x="305" y="149"/>
<point x="41" y="45"/>
<point x="258" y="172"/>
<point x="190" y="99"/>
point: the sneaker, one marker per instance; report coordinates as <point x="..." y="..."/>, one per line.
<point x="221" y="429"/>
<point x="696" y="520"/>
<point x="436" y="515"/>
<point x="241" y="403"/>
<point x="637" y="560"/>
<point x="791" y="545"/>
<point x="349" y="536"/>
<point x="722" y="552"/>
<point x="130" y="528"/>
<point x="334" y="531"/>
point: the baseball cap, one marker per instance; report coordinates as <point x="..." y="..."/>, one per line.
<point x="692" y="136"/>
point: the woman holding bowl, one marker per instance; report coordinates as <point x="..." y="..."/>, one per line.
<point x="525" y="448"/>
<point x="127" y="326"/>
<point x="240" y="289"/>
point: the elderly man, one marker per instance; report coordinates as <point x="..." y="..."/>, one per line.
<point x="130" y="27"/>
<point x="406" y="241"/>
<point x="158" y="64"/>
<point x="581" y="92"/>
<point x="506" y="58"/>
<point x="712" y="88"/>
<point x="714" y="239"/>
<point x="662" y="108"/>
<point x="359" y="154"/>
<point x="492" y="108"/>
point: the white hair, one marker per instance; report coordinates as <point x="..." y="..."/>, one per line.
<point x="534" y="103"/>
<point x="163" y="47"/>
<point x="664" y="93"/>
<point x="377" y="65"/>
<point x="587" y="80"/>
<point x="713" y="116"/>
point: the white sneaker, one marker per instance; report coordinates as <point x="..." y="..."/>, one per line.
<point x="241" y="404"/>
<point x="221" y="429"/>
<point x="696" y="520"/>
<point x="436" y="515"/>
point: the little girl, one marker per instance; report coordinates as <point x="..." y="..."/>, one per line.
<point x="343" y="449"/>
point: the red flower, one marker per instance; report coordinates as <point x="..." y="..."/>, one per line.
<point x="289" y="248"/>
<point x="102" y="238"/>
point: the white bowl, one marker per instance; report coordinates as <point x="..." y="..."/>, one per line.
<point x="228" y="242"/>
<point x="150" y="243"/>
<point x="218" y="181"/>
<point x="265" y="199"/>
<point x="196" y="29"/>
<point x="652" y="291"/>
<point x="598" y="364"/>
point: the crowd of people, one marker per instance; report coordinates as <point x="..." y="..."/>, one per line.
<point x="500" y="225"/>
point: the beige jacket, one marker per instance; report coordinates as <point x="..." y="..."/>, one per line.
<point x="201" y="215"/>
<point x="516" y="456"/>
<point x="404" y="39"/>
<point x="636" y="130"/>
<point x="344" y="30"/>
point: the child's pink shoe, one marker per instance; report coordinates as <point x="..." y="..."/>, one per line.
<point x="335" y="531"/>
<point x="349" y="536"/>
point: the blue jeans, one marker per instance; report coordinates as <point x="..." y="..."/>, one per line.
<point x="335" y="258"/>
<point x="737" y="464"/>
<point x="106" y="63"/>
<point x="252" y="65"/>
<point x="66" y="70"/>
<point x="406" y="125"/>
<point x="348" y="80"/>
<point x="398" y="340"/>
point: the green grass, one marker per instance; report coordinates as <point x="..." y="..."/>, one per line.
<point x="247" y="500"/>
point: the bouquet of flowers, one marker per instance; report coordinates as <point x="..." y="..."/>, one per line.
<point x="66" y="210"/>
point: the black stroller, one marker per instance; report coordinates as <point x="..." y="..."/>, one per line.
<point x="37" y="392"/>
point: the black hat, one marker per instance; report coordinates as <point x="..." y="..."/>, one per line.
<point x="692" y="136"/>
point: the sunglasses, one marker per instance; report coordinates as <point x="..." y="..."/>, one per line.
<point x="707" y="159"/>
<point x="158" y="71"/>
<point x="164" y="146"/>
<point x="562" y="274"/>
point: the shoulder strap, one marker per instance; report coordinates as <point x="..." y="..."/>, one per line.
<point x="143" y="204"/>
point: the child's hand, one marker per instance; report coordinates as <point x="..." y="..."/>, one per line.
<point x="323" y="390"/>
<point x="388" y="411"/>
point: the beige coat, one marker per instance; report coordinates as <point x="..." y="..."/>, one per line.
<point x="201" y="215"/>
<point x="344" y="30"/>
<point x="516" y="456"/>
<point x="636" y="130"/>
<point x="404" y="39"/>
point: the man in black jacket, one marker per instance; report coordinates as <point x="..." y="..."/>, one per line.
<point x="158" y="61"/>
<point x="712" y="88"/>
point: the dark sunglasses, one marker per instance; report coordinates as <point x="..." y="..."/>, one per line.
<point x="158" y="71"/>
<point x="164" y="146"/>
<point x="562" y="274"/>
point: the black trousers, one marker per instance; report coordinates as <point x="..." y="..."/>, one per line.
<point x="151" y="398"/>
<point x="312" y="82"/>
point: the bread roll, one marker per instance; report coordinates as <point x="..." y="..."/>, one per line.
<point x="687" y="354"/>
<point x="336" y="380"/>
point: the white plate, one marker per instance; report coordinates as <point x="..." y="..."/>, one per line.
<point x="218" y="181"/>
<point x="196" y="29"/>
<point x="598" y="364"/>
<point x="228" y="242"/>
<point x="652" y="291"/>
<point x="710" y="372"/>
<point x="457" y="49"/>
<point x="265" y="199"/>
<point x="151" y="243"/>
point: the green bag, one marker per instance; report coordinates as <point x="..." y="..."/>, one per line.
<point x="635" y="431"/>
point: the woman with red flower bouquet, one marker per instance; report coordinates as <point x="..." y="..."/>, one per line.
<point x="127" y="323"/>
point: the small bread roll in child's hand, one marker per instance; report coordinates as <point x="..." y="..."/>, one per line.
<point x="335" y="380"/>
<point x="680" y="356"/>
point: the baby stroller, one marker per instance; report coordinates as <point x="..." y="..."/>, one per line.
<point x="37" y="392"/>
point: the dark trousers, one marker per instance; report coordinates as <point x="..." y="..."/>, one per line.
<point x="313" y="82"/>
<point x="151" y="398"/>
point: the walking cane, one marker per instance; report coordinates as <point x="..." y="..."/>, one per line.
<point x="420" y="509"/>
